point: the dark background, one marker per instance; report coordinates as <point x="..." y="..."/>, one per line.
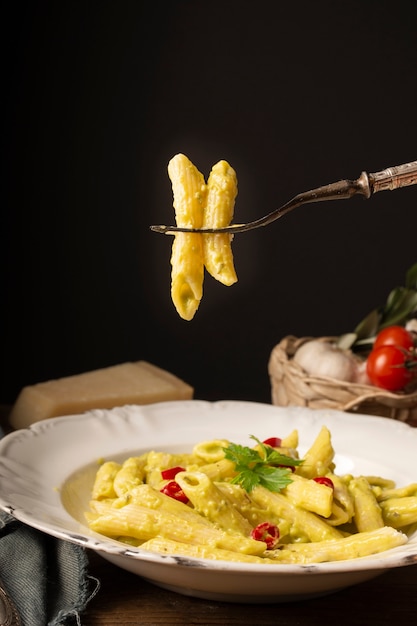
<point x="100" y="95"/>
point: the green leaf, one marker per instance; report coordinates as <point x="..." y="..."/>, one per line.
<point x="253" y="469"/>
<point x="274" y="478"/>
<point x="411" y="277"/>
<point x="242" y="456"/>
<point x="368" y="327"/>
<point x="346" y="341"/>
<point x="401" y="302"/>
<point x="247" y="479"/>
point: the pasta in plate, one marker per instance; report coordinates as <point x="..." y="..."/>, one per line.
<point x="354" y="517"/>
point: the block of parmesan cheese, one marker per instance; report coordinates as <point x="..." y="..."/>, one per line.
<point x="128" y="383"/>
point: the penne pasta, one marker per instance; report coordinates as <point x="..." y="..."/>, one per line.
<point x="156" y="462"/>
<point x="198" y="205"/>
<point x="166" y="546"/>
<point x="291" y="440"/>
<point x="246" y="507"/>
<point x="392" y="492"/>
<point x="217" y="248"/>
<point x="399" y="512"/>
<point x="144" y="523"/>
<point x="187" y="275"/>
<point x="305" y="526"/>
<point x="147" y="496"/>
<point x="319" y="458"/>
<point x="368" y="515"/>
<point x="212" y="503"/>
<point x="353" y="547"/>
<point x="104" y="483"/>
<point x="210" y="451"/>
<point x="310" y="495"/>
<point x="131" y="474"/>
<point x="220" y="470"/>
<point x="342" y="505"/>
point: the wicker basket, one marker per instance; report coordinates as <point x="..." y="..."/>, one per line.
<point x="291" y="385"/>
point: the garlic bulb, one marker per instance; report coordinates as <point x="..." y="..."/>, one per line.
<point x="411" y="325"/>
<point x="322" y="358"/>
<point x="361" y="376"/>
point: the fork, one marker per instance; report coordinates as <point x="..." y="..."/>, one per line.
<point x="366" y="185"/>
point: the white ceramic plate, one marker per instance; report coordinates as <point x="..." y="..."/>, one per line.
<point x="46" y="473"/>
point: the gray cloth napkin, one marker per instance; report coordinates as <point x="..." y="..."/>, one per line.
<point x="46" y="578"/>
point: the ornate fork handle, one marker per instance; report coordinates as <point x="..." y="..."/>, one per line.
<point x="394" y="177"/>
<point x="366" y="185"/>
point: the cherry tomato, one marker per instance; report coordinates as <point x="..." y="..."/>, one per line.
<point x="274" y="442"/>
<point x="266" y="532"/>
<point x="324" y="480"/>
<point x="390" y="367"/>
<point x="173" y="490"/>
<point x="395" y="336"/>
<point x="171" y="472"/>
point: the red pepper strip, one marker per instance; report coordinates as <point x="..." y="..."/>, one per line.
<point x="274" y="442"/>
<point x="171" y="472"/>
<point x="173" y="490"/>
<point x="266" y="532"/>
<point x="323" y="480"/>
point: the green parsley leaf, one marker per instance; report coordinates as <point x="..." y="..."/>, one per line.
<point x="247" y="479"/>
<point x="242" y="456"/>
<point x="253" y="469"/>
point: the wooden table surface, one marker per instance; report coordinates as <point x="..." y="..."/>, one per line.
<point x="125" y="599"/>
